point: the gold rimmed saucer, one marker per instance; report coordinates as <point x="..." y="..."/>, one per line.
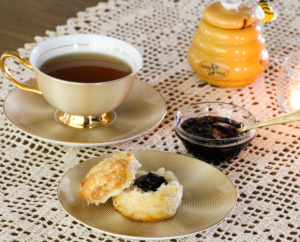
<point x="209" y="196"/>
<point x="143" y="110"/>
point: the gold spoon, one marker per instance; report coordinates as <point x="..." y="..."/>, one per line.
<point x="289" y="117"/>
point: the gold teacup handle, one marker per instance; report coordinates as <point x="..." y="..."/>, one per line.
<point x="7" y="74"/>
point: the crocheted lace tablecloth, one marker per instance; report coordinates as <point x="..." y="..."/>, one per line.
<point x="266" y="174"/>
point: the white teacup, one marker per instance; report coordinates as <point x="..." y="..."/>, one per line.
<point x="79" y="105"/>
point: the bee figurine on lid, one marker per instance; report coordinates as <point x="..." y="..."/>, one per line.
<point x="228" y="48"/>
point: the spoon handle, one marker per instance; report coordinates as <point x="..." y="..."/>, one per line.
<point x="289" y="117"/>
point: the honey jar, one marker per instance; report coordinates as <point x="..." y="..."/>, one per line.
<point x="228" y="48"/>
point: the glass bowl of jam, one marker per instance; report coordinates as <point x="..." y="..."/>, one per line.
<point x="208" y="130"/>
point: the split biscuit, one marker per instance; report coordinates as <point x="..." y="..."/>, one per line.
<point x="109" y="177"/>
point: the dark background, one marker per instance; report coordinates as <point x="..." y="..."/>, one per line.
<point x="21" y="20"/>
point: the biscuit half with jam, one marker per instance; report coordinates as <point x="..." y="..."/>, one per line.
<point x="153" y="197"/>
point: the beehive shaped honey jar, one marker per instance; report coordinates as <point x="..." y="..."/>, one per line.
<point x="228" y="48"/>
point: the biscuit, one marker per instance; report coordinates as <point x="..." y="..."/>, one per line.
<point x="151" y="206"/>
<point x="109" y="177"/>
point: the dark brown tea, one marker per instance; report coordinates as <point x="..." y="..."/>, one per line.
<point x="86" y="68"/>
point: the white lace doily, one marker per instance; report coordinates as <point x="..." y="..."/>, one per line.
<point x="266" y="174"/>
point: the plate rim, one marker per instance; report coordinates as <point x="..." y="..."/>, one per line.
<point x="141" y="237"/>
<point x="87" y="144"/>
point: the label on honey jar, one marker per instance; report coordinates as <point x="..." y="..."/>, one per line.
<point x="213" y="69"/>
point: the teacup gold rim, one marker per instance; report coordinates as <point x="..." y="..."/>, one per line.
<point x="97" y="83"/>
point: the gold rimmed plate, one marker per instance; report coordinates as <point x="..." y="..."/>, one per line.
<point x="208" y="197"/>
<point x="143" y="110"/>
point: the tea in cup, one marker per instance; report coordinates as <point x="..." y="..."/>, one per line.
<point x="85" y="77"/>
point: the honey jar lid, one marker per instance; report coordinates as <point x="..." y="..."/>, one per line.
<point x="229" y="16"/>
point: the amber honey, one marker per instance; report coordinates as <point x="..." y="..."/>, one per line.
<point x="228" y="48"/>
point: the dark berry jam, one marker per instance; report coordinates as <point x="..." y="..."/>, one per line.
<point x="150" y="182"/>
<point x="217" y="130"/>
<point x="212" y="127"/>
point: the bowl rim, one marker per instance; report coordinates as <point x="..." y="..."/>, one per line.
<point x="228" y="142"/>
